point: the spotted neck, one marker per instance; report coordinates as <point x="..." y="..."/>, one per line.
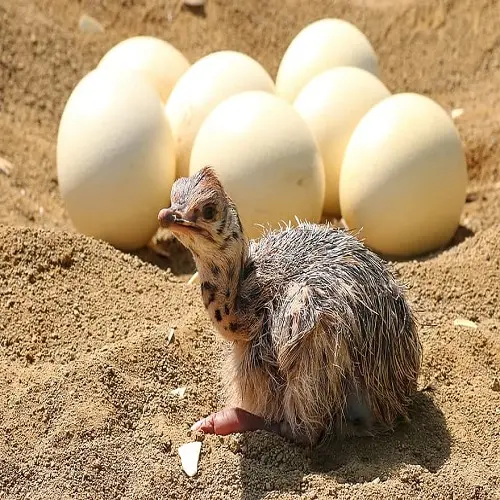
<point x="220" y="281"/>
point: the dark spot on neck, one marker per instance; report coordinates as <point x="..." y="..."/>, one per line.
<point x="218" y="315"/>
<point x="235" y="235"/>
<point x="233" y="326"/>
<point x="215" y="269"/>
<point x="226" y="309"/>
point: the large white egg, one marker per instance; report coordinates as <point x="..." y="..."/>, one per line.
<point x="404" y="177"/>
<point x="332" y="104"/>
<point x="115" y="158"/>
<point x="322" y="45"/>
<point x="206" y="84"/>
<point x="267" y="160"/>
<point x="159" y="61"/>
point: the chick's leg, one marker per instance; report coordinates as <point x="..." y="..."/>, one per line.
<point x="234" y="420"/>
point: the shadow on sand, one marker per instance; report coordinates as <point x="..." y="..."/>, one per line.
<point x="461" y="234"/>
<point x="168" y="253"/>
<point x="424" y="441"/>
<point x="196" y="10"/>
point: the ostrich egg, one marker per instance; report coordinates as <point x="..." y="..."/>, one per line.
<point x="159" y="61"/>
<point x="404" y="177"/>
<point x="206" y="84"/>
<point x="323" y="45"/>
<point x="266" y="158"/>
<point x="332" y="104"/>
<point x="115" y="158"/>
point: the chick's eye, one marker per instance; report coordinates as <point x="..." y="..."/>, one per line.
<point x="208" y="212"/>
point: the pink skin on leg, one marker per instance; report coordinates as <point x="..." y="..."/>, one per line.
<point x="233" y="420"/>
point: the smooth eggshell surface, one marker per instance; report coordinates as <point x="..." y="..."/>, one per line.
<point x="266" y="158"/>
<point x="115" y="158"/>
<point x="322" y="45"/>
<point x="332" y="104"/>
<point x="159" y="61"/>
<point x="206" y="84"/>
<point x="404" y="177"/>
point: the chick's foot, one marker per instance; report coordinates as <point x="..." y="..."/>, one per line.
<point x="233" y="420"/>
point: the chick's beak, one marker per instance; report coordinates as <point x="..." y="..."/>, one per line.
<point x="172" y="216"/>
<point x="177" y="221"/>
<point x="168" y="216"/>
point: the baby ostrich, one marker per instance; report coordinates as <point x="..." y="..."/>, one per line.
<point x="322" y="336"/>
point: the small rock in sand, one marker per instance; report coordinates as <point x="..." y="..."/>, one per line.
<point x="180" y="391"/>
<point x="171" y="335"/>
<point x="5" y="166"/>
<point x="464" y="322"/>
<point x="88" y="24"/>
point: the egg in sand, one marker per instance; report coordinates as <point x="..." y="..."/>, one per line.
<point x="322" y="45"/>
<point x="267" y="159"/>
<point x="157" y="60"/>
<point x="115" y="158"/>
<point x="404" y="177"/>
<point x="332" y="104"/>
<point x="208" y="82"/>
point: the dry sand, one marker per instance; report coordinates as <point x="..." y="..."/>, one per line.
<point x="85" y="362"/>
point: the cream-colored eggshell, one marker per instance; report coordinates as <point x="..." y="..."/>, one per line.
<point x="320" y="46"/>
<point x="159" y="61"/>
<point x="404" y="177"/>
<point x="115" y="158"/>
<point x="267" y="160"/>
<point x="332" y="104"/>
<point x="206" y="84"/>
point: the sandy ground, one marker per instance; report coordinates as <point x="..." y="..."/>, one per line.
<point x="86" y="367"/>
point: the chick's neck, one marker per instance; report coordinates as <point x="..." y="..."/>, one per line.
<point x="220" y="276"/>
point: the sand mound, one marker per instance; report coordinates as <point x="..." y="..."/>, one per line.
<point x="88" y="372"/>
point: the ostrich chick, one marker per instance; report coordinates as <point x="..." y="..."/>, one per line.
<point x="321" y="335"/>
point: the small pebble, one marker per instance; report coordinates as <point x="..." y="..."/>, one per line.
<point x="167" y="445"/>
<point x="180" y="391"/>
<point x="234" y="445"/>
<point x="193" y="279"/>
<point x="5" y="166"/>
<point x="171" y="335"/>
<point x="88" y="24"/>
<point x="495" y="386"/>
<point x="456" y="113"/>
<point x="464" y="322"/>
